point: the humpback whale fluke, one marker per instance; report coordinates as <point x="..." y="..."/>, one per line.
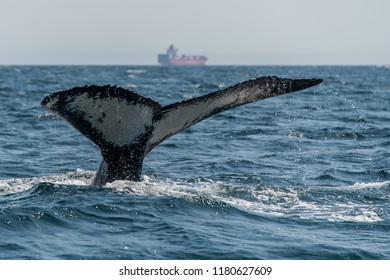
<point x="127" y="126"/>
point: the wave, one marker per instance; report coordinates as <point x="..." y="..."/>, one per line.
<point x="136" y="71"/>
<point x="17" y="185"/>
<point x="360" y="202"/>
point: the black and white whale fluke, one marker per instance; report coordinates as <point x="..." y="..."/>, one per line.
<point x="127" y="126"/>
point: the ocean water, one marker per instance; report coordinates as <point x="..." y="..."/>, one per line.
<point x="302" y="176"/>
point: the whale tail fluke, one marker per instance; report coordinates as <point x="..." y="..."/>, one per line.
<point x="126" y="126"/>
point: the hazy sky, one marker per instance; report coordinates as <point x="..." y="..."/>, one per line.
<point x="227" y="31"/>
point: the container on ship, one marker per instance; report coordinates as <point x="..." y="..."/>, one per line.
<point x="171" y="57"/>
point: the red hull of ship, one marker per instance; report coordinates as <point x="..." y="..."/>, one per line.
<point x="187" y="61"/>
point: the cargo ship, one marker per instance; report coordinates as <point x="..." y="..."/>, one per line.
<point x="171" y="57"/>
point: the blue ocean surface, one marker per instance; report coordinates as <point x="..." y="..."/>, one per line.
<point x="301" y="176"/>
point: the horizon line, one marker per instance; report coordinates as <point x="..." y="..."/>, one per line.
<point x="200" y="66"/>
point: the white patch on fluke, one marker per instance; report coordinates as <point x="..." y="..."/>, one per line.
<point x="184" y="114"/>
<point x="187" y="114"/>
<point x="119" y="121"/>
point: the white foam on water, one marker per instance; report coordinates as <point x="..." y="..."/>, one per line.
<point x="273" y="201"/>
<point x="136" y="71"/>
<point x="372" y="185"/>
<point x="330" y="203"/>
<point x="330" y="206"/>
<point x="16" y="185"/>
